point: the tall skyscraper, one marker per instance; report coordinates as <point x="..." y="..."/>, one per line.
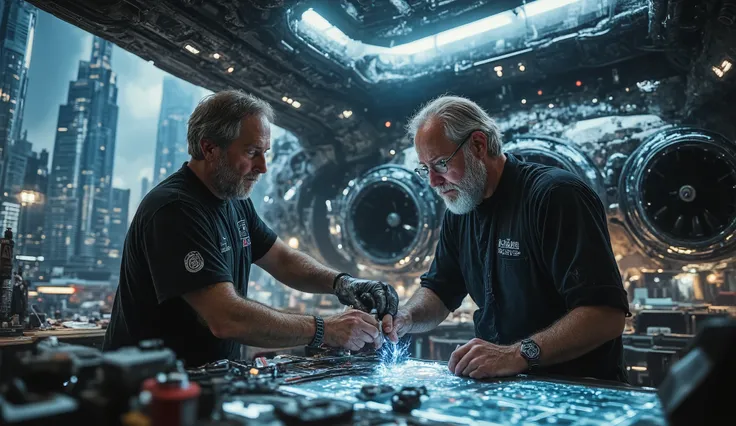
<point x="17" y="25"/>
<point x="80" y="191"/>
<point x="16" y="159"/>
<point x="144" y="187"/>
<point x="118" y="227"/>
<point x="30" y="234"/>
<point x="177" y="104"/>
<point x="15" y="166"/>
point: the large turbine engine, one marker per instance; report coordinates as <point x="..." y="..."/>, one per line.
<point x="556" y="152"/>
<point x="678" y="195"/>
<point x="387" y="221"/>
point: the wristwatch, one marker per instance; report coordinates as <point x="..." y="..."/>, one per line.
<point x="530" y="351"/>
<point x="319" y="333"/>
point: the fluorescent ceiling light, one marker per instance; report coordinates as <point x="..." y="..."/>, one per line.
<point x="541" y="6"/>
<point x="414" y="47"/>
<point x="315" y="20"/>
<point x="473" y="28"/>
<point x="320" y="24"/>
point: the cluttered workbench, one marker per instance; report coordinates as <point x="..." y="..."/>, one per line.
<point x="328" y="387"/>
<point x="91" y="337"/>
<point x="58" y="383"/>
<point x="10" y="346"/>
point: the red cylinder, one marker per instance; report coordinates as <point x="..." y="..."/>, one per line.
<point x="173" y="401"/>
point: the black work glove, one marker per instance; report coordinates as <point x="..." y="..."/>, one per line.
<point x="367" y="295"/>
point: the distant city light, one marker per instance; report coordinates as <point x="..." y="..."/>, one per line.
<point x="55" y="290"/>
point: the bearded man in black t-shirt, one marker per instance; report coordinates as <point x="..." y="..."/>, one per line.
<point x="188" y="254"/>
<point x="529" y="243"/>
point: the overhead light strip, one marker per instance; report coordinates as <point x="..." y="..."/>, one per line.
<point x="490" y="23"/>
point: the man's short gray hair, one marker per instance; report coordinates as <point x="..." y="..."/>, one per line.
<point x="218" y="117"/>
<point x="459" y="116"/>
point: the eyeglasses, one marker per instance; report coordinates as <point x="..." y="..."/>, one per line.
<point x="440" y="166"/>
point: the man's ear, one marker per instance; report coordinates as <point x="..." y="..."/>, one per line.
<point x="209" y="149"/>
<point x="479" y="141"/>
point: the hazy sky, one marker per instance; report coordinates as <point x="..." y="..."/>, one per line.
<point x="57" y="49"/>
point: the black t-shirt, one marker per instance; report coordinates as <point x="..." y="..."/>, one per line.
<point x="533" y="251"/>
<point x="182" y="239"/>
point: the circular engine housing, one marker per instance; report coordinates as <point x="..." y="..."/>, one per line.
<point x="556" y="152"/>
<point x="678" y="195"/>
<point x="387" y="220"/>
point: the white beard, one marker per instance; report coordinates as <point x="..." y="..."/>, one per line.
<point x="470" y="189"/>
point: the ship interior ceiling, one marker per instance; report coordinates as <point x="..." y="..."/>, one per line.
<point x="635" y="97"/>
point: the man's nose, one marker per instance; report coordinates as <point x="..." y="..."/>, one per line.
<point x="260" y="164"/>
<point x="435" y="179"/>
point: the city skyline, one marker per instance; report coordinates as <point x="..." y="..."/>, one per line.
<point x="80" y="195"/>
<point x="177" y="103"/>
<point x="86" y="130"/>
<point x="57" y="49"/>
<point x="17" y="28"/>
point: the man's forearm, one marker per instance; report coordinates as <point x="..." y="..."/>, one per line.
<point x="301" y="272"/>
<point x="579" y="332"/>
<point x="254" y="324"/>
<point x="426" y="309"/>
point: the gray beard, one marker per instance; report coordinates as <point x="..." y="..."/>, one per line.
<point x="470" y="189"/>
<point x="229" y="185"/>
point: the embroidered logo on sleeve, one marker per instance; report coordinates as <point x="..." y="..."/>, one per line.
<point x="224" y="245"/>
<point x="193" y="261"/>
<point x="243" y="232"/>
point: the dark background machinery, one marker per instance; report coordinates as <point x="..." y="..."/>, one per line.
<point x="345" y="76"/>
<point x="634" y="96"/>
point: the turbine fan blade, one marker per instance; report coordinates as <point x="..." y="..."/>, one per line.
<point x="711" y="220"/>
<point x="678" y="223"/>
<point x="697" y="227"/>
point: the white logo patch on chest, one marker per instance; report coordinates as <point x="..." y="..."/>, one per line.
<point x="193" y="262"/>
<point x="508" y="247"/>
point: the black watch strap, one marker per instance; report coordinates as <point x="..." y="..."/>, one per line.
<point x="319" y="333"/>
<point x="531" y="352"/>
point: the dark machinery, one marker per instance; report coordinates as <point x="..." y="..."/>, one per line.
<point x="13" y="291"/>
<point x="551" y="151"/>
<point x="698" y="389"/>
<point x="64" y="383"/>
<point x="6" y="276"/>
<point x="388" y="219"/>
<point x="678" y="195"/>
<point x="58" y="384"/>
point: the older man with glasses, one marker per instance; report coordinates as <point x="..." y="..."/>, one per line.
<point x="529" y="243"/>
